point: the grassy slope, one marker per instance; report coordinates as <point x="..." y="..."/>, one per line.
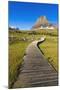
<point x="49" y="48"/>
<point x="16" y="53"/>
<point x="17" y="50"/>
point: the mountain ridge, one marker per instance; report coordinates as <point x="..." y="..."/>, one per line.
<point x="43" y="23"/>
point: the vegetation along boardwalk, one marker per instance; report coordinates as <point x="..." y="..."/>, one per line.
<point x="36" y="71"/>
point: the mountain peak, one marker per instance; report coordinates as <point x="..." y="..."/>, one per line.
<point x="41" y="21"/>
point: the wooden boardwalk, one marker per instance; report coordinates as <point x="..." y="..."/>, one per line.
<point x="36" y="71"/>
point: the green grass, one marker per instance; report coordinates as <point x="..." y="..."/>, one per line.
<point x="37" y="32"/>
<point x="50" y="50"/>
<point x="17" y="49"/>
<point x="16" y="53"/>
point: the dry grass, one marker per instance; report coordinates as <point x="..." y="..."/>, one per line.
<point x="17" y="49"/>
<point x="16" y="53"/>
<point x="50" y="50"/>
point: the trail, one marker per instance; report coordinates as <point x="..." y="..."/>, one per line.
<point x="36" y="71"/>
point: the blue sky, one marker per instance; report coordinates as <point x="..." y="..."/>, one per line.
<point x="24" y="15"/>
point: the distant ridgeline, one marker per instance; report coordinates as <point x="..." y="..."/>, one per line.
<point x="13" y="28"/>
<point x="43" y="23"/>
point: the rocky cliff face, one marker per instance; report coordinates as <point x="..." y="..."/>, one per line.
<point x="42" y="22"/>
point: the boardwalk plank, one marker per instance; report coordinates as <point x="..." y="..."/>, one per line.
<point x="36" y="70"/>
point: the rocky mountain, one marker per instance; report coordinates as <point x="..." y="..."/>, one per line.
<point x="42" y="22"/>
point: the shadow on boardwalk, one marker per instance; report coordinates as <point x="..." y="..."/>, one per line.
<point x="36" y="71"/>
